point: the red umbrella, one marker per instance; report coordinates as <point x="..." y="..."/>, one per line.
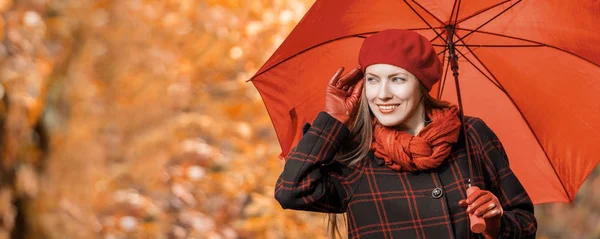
<point x="530" y="69"/>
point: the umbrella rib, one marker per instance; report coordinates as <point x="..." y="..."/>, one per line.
<point x="423" y="19"/>
<point x="524" y="120"/>
<point x="443" y="83"/>
<point x="439" y="36"/>
<point x="490" y="46"/>
<point x="488" y="21"/>
<point x="424" y="9"/>
<point x="541" y="146"/>
<point x="481" y="11"/>
<point x="498" y="46"/>
<point x="457" y="11"/>
<point x="453" y="8"/>
<point x="537" y="44"/>
<point x="496" y="34"/>
<point x="493" y="81"/>
<point x="443" y="57"/>
<point x="358" y="35"/>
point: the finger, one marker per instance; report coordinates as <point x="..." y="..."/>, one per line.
<point x="463" y="204"/>
<point x="474" y="195"/>
<point x="351" y="77"/>
<point x="485" y="209"/>
<point x="334" y="80"/>
<point x="479" y="202"/>
<point x="356" y="91"/>
<point x="473" y="189"/>
<point x="493" y="213"/>
<point x="481" y="206"/>
<point x="358" y="88"/>
<point x="345" y="87"/>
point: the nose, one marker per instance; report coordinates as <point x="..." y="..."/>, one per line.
<point x="384" y="91"/>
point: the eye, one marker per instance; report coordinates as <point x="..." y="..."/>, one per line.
<point x="371" y="79"/>
<point x="398" y="79"/>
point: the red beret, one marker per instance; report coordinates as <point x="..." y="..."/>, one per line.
<point x="405" y="49"/>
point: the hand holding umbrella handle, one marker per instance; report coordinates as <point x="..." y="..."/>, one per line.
<point x="477" y="223"/>
<point x="343" y="94"/>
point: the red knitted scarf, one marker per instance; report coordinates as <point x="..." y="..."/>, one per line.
<point x="428" y="149"/>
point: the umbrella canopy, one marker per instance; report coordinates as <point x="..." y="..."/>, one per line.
<point x="530" y="69"/>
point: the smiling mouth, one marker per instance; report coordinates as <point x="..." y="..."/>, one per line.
<point x="387" y="108"/>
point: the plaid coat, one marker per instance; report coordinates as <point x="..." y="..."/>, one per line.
<point x="383" y="203"/>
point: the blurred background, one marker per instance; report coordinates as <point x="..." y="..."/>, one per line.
<point x="133" y="119"/>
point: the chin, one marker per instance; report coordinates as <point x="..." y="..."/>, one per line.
<point x="388" y="122"/>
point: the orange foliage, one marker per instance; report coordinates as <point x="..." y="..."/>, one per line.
<point x="133" y="119"/>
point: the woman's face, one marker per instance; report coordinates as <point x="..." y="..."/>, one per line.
<point x="394" y="94"/>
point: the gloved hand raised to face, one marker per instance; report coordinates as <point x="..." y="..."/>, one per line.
<point x="343" y="94"/>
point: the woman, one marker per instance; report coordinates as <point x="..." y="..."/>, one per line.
<point x="394" y="159"/>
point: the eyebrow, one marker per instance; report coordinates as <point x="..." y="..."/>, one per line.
<point x="395" y="74"/>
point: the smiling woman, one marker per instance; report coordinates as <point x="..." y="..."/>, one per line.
<point x="394" y="159"/>
<point x="395" y="97"/>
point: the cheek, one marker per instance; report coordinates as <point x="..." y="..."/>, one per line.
<point x="370" y="92"/>
<point x="408" y="91"/>
<point x="417" y="94"/>
<point x="403" y="92"/>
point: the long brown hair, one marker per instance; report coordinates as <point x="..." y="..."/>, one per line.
<point x="358" y="144"/>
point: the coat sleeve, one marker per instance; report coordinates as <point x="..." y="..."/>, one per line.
<point x="518" y="220"/>
<point x="307" y="182"/>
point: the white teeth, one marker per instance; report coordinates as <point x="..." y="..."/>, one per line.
<point x="387" y="107"/>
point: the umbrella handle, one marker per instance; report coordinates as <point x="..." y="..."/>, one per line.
<point x="477" y="223"/>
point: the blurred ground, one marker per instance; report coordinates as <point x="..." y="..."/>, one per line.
<point x="132" y="119"/>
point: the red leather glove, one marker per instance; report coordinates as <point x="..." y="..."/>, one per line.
<point x="343" y="94"/>
<point x="484" y="204"/>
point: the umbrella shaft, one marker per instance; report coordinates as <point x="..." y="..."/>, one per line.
<point x="453" y="59"/>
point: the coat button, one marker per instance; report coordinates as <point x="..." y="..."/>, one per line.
<point x="437" y="193"/>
